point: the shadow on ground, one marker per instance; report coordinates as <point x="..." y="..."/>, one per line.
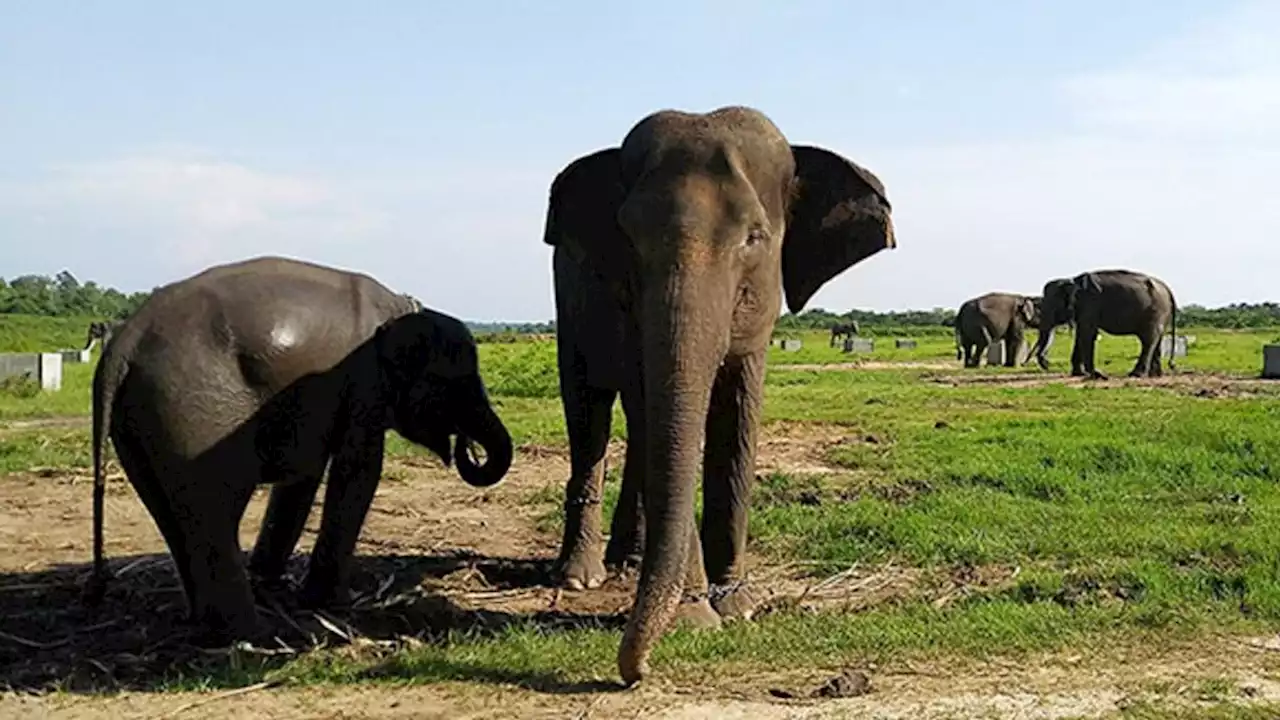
<point x="137" y="638"/>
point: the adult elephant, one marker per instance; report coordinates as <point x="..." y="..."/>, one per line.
<point x="1120" y="302"/>
<point x="264" y="371"/>
<point x="843" y="330"/>
<point x="672" y="255"/>
<point x="995" y="317"/>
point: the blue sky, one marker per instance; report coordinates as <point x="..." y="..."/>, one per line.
<point x="1019" y="140"/>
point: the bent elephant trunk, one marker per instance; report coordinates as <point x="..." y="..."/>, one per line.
<point x="681" y="352"/>
<point x="487" y="429"/>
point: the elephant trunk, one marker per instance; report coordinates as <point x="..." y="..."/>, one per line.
<point x="1041" y="350"/>
<point x="681" y="352"/>
<point x="486" y="428"/>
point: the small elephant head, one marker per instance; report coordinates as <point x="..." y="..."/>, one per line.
<point x="1029" y="309"/>
<point x="432" y="387"/>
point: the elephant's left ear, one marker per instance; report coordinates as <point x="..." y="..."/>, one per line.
<point x="839" y="216"/>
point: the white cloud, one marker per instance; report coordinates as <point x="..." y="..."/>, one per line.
<point x="1220" y="82"/>
<point x="1170" y="166"/>
<point x="195" y="207"/>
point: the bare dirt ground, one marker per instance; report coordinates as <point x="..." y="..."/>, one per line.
<point x="436" y="555"/>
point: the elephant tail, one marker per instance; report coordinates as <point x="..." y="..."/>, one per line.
<point x="107" y="377"/>
<point x="959" y="353"/>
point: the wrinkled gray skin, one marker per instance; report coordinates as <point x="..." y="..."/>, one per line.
<point x="672" y="256"/>
<point x="994" y="317"/>
<point x="263" y="371"/>
<point x="843" y="330"/>
<point x="1120" y="302"/>
<point x="103" y="331"/>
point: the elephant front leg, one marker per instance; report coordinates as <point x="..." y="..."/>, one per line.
<point x="588" y="416"/>
<point x="282" y="525"/>
<point x="728" y="471"/>
<point x="1088" y="343"/>
<point x="353" y="480"/>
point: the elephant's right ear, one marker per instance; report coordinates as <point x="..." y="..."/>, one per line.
<point x="582" y="216"/>
<point x="1087" y="282"/>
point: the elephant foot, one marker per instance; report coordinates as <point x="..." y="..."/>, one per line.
<point x="623" y="555"/>
<point x="320" y="596"/>
<point x="583" y="570"/>
<point x="697" y="615"/>
<point x="1095" y="375"/>
<point x="733" y="601"/>
<point x="249" y="626"/>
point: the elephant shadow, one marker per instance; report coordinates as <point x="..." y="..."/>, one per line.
<point x="136" y="638"/>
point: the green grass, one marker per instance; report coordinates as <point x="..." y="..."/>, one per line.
<point x="31" y="333"/>
<point x="1132" y="512"/>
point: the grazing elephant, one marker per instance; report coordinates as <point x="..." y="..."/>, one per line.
<point x="672" y="255"/>
<point x="843" y="330"/>
<point x="1121" y="302"/>
<point x="994" y="317"/>
<point x="264" y="371"/>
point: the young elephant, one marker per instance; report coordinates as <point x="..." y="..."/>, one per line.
<point x="673" y="253"/>
<point x="264" y="371"/>
<point x="994" y="317"/>
<point x="1121" y="302"/>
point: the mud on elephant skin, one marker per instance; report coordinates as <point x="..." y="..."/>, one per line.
<point x="673" y="254"/>
<point x="996" y="317"/>
<point x="1119" y="302"/>
<point x="266" y="371"/>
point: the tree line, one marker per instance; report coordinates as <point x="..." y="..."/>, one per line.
<point x="65" y="296"/>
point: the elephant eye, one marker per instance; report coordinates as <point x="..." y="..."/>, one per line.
<point x="754" y="236"/>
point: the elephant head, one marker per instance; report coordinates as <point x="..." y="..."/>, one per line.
<point x="1029" y="310"/>
<point x="432" y="387"/>
<point x="702" y="223"/>
<point x="1057" y="307"/>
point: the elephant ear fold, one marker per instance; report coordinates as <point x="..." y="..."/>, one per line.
<point x="839" y="216"/>
<point x="582" y="215"/>
<point x="1087" y="282"/>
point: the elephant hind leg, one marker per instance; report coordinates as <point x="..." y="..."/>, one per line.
<point x="207" y="513"/>
<point x="626" y="535"/>
<point x="137" y="467"/>
<point x="1143" y="366"/>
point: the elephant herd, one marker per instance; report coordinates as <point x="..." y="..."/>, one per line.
<point x="1119" y="302"/>
<point x="672" y="252"/>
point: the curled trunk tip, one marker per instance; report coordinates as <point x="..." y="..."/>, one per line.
<point x="492" y="435"/>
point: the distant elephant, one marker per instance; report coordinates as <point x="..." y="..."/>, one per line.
<point x="99" y="330"/>
<point x="994" y="317"/>
<point x="672" y="255"/>
<point x="1121" y="302"/>
<point x="843" y="330"/>
<point x="264" y="371"/>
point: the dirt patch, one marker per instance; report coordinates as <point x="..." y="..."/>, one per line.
<point x="800" y="448"/>
<point x="434" y="556"/>
<point x="1077" y="685"/>
<point x="1207" y="385"/>
<point x="866" y="365"/>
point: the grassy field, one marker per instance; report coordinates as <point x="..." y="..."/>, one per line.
<point x="1075" y="515"/>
